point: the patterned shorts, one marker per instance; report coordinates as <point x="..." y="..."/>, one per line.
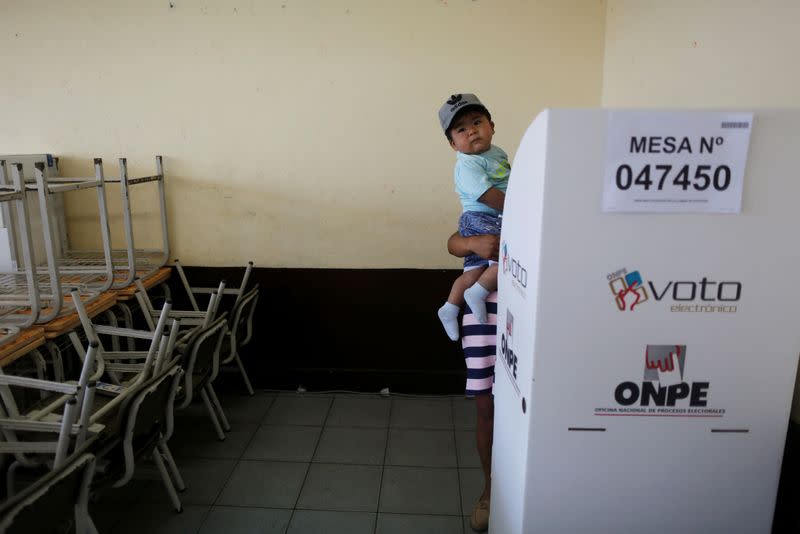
<point x="479" y="342"/>
<point x="477" y="223"/>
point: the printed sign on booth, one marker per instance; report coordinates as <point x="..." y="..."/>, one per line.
<point x="673" y="162"/>
<point x="665" y="390"/>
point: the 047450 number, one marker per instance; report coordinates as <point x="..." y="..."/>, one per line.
<point x="703" y="177"/>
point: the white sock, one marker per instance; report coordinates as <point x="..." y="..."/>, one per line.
<point x="476" y="300"/>
<point x="448" y="314"/>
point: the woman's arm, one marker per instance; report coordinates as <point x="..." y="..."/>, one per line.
<point x="485" y="246"/>
<point x="494" y="198"/>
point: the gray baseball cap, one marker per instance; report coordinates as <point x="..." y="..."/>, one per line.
<point x="455" y="104"/>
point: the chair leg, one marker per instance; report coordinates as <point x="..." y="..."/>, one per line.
<point x="212" y="415"/>
<point x="176" y="475"/>
<point x="83" y="521"/>
<point x="220" y="413"/>
<point x="173" y="495"/>
<point x="112" y="321"/>
<point x="11" y="489"/>
<point x="244" y="374"/>
<point x="127" y="318"/>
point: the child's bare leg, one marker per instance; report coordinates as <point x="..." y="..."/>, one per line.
<point x="448" y="313"/>
<point x="488" y="279"/>
<point x="465" y="280"/>
<point x="475" y="295"/>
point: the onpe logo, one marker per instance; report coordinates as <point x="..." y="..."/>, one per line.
<point x="663" y="383"/>
<point x="627" y="288"/>
<point x="507" y="343"/>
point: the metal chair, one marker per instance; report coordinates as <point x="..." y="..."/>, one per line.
<point x="200" y="362"/>
<point x="191" y="318"/>
<point x="194" y="291"/>
<point x="240" y="332"/>
<point x="58" y="273"/>
<point x="55" y="502"/>
<point x="90" y="276"/>
<point x="67" y="414"/>
<point x="132" y="262"/>
<point x="19" y="287"/>
<point x="147" y="420"/>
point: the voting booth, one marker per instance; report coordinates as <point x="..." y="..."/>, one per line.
<point x="647" y="328"/>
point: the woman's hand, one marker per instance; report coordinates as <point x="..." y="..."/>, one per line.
<point x="485" y="246"/>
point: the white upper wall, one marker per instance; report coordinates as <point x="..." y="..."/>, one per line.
<point x="295" y="133"/>
<point x="709" y="53"/>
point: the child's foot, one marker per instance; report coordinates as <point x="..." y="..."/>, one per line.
<point x="476" y="300"/>
<point x="448" y="314"/>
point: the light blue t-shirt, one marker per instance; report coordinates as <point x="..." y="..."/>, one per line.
<point x="476" y="173"/>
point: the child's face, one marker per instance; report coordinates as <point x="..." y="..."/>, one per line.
<point x="472" y="133"/>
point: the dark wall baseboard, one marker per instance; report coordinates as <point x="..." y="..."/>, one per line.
<point x="345" y="329"/>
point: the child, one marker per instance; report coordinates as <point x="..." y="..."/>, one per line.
<point x="481" y="177"/>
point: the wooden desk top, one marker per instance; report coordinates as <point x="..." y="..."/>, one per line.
<point x="27" y="340"/>
<point x="161" y="275"/>
<point x="36" y="336"/>
<point x="65" y="323"/>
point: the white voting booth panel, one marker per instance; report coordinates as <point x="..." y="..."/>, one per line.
<point x="646" y="361"/>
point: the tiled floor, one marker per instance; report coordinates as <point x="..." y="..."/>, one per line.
<point x="312" y="463"/>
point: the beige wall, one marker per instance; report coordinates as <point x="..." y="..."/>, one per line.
<point x="294" y="133"/>
<point x="710" y="53"/>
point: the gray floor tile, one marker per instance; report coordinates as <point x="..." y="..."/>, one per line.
<point x="127" y="494"/>
<point x="195" y="409"/>
<point x="421" y="448"/>
<point x="113" y="503"/>
<point x="319" y="522"/>
<point x="204" y="479"/>
<point x="464" y="413"/>
<point x="238" y="408"/>
<point x="284" y="443"/>
<point x="245" y="408"/>
<point x="340" y="492"/>
<point x="298" y="409"/>
<point x="352" y="446"/>
<point x="471" y="488"/>
<point x="467" y="449"/>
<point x="420" y="490"/>
<point x="105" y="517"/>
<point x="419" y="524"/>
<point x="433" y="413"/>
<point x="351" y="488"/>
<point x="162" y="520"/>
<point x="195" y="438"/>
<point x="264" y="484"/>
<point x="152" y="493"/>
<point x="237" y="520"/>
<point x="370" y="411"/>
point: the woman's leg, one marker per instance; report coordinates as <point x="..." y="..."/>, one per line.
<point x="484" y="432"/>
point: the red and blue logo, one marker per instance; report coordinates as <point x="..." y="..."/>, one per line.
<point x="628" y="289"/>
